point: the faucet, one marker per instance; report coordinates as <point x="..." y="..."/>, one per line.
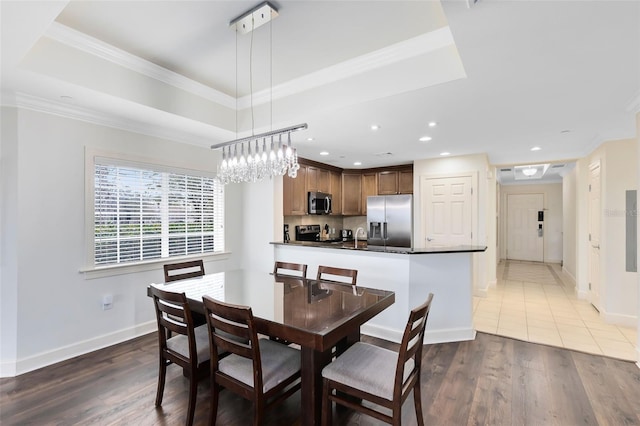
<point x="356" y="238"/>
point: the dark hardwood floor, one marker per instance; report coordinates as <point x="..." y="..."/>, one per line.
<point x="489" y="381"/>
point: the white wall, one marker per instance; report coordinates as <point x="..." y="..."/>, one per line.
<point x="552" y="217"/>
<point x="8" y="240"/>
<point x="55" y="310"/>
<point x="486" y="186"/>
<point x="569" y="224"/>
<point x="618" y="288"/>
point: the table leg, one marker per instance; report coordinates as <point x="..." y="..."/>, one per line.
<point x="346" y="343"/>
<point x="311" y="392"/>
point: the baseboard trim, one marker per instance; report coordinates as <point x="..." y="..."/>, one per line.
<point x="480" y="292"/>
<point x="430" y="336"/>
<point x="449" y="335"/>
<point x="493" y="284"/>
<point x="385" y="333"/>
<point x="620" y="319"/>
<point x="64" y="353"/>
<point x="568" y="274"/>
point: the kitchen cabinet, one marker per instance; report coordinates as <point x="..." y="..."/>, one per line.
<point x="335" y="187"/>
<point x="294" y="195"/>
<point x="351" y="194"/>
<point x="318" y="180"/>
<point x="405" y="181"/>
<point x="369" y="187"/>
<point x="391" y="182"/>
<point x="388" y="183"/>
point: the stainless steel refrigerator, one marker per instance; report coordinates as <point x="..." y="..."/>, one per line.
<point x="390" y="221"/>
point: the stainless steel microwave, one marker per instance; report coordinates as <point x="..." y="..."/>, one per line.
<point x="319" y="203"/>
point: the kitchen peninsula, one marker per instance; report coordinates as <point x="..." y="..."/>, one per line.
<point x="412" y="274"/>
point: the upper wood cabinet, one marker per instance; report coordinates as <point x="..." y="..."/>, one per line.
<point x="335" y="186"/>
<point x="294" y="197"/>
<point x="318" y="180"/>
<point x="369" y="187"/>
<point x="395" y="182"/>
<point x="405" y="181"/>
<point x="351" y="194"/>
<point x="387" y="183"/>
<point x="349" y="188"/>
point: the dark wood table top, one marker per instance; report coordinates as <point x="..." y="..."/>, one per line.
<point x="314" y="314"/>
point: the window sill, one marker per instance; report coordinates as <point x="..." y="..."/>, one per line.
<point x="92" y="272"/>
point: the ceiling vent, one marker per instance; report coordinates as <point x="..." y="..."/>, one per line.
<point x="383" y="154"/>
<point x="557" y="166"/>
<point x="505" y="170"/>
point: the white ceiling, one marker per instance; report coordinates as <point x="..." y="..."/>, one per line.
<point x="499" y="78"/>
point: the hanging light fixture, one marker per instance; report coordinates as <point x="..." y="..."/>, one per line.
<point x="270" y="156"/>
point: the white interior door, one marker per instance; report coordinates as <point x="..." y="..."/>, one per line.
<point x="447" y="211"/>
<point x="594" y="234"/>
<point x="525" y="233"/>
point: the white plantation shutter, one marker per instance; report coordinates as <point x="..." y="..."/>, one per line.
<point x="143" y="214"/>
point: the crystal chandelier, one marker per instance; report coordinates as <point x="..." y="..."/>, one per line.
<point x="256" y="157"/>
<point x="268" y="157"/>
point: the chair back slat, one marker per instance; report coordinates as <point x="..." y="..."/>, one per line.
<point x="287" y="266"/>
<point x="173" y="314"/>
<point x="412" y="342"/>
<point x="336" y="272"/>
<point x="191" y="269"/>
<point x="238" y="321"/>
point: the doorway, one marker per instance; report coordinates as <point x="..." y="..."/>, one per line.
<point x="525" y="227"/>
<point x="594" y="234"/>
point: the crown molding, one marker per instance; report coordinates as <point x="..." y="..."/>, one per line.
<point x="406" y="49"/>
<point x="76" y="39"/>
<point x="403" y="50"/>
<point x="634" y="104"/>
<point x="75" y="112"/>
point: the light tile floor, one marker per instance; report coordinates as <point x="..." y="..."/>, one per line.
<point x="531" y="302"/>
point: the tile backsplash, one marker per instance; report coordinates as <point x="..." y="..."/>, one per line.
<point x="336" y="223"/>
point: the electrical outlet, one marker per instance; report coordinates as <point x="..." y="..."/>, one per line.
<point x="107" y="302"/>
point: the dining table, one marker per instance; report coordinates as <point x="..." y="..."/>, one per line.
<point x="316" y="315"/>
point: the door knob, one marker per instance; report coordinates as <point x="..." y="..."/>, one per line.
<point x="429" y="239"/>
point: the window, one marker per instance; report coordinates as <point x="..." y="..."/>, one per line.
<point x="151" y="212"/>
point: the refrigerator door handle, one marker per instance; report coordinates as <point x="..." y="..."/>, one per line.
<point x="384" y="230"/>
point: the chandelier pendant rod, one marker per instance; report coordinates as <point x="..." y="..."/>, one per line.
<point x="282" y="131"/>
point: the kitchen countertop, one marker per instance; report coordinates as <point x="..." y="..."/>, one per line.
<point x="362" y="246"/>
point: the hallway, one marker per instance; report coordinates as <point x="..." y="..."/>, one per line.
<point x="531" y="302"/>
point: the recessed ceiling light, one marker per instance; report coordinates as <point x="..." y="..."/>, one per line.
<point x="357" y="163"/>
<point x="375" y="127"/>
<point x="324" y="153"/>
<point x="310" y="139"/>
<point x="536" y="148"/>
<point x="433" y="124"/>
<point x="444" y="154"/>
<point x="425" y="139"/>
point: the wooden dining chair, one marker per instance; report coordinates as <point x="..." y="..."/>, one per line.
<point x="336" y="272"/>
<point x="259" y="370"/>
<point x="183" y="270"/>
<point x="287" y="266"/>
<point x="383" y="377"/>
<point x="188" y="347"/>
